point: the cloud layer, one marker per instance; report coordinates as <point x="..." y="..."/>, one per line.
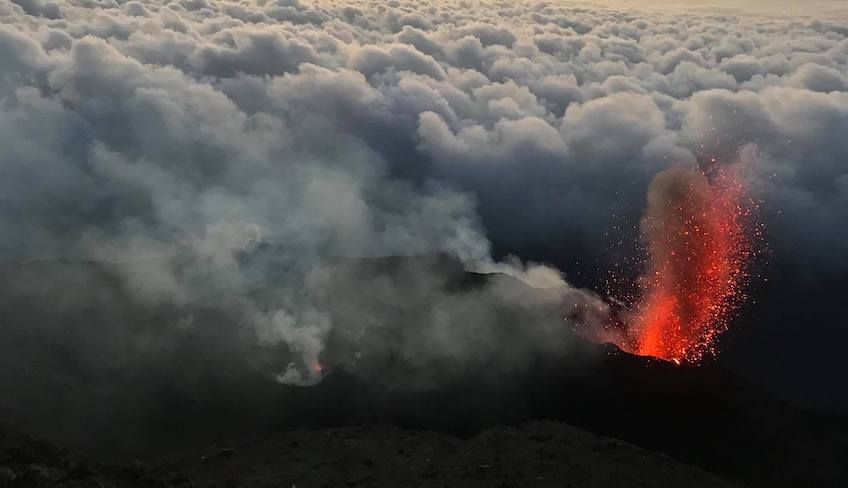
<point x="160" y="119"/>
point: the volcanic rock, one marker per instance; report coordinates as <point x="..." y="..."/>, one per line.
<point x="501" y="456"/>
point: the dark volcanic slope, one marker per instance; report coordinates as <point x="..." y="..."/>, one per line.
<point x="88" y="363"/>
<point x="701" y="416"/>
<point x="26" y="462"/>
<point x="539" y="454"/>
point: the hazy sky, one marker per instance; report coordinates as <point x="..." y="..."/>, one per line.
<point x="784" y="7"/>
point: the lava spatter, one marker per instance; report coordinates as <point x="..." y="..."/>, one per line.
<point x="698" y="256"/>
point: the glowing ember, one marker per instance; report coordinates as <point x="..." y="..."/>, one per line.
<point x="698" y="256"/>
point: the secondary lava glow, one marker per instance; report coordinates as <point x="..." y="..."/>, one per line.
<point x="698" y="255"/>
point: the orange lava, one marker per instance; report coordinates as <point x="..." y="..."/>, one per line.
<point x="698" y="257"/>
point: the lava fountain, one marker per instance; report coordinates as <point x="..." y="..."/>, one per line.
<point x="698" y="256"/>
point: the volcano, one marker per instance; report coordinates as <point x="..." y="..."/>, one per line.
<point x="155" y="391"/>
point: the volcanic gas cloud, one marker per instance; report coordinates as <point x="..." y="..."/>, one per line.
<point x="697" y="234"/>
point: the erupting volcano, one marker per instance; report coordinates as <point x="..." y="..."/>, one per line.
<point x="696" y="231"/>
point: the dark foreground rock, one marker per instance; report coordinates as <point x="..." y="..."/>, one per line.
<point x="26" y="462"/>
<point x="537" y="454"/>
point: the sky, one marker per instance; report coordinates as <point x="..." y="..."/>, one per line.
<point x="479" y="129"/>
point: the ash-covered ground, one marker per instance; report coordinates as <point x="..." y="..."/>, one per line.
<point x="539" y="454"/>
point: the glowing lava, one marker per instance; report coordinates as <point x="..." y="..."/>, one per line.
<point x="698" y="258"/>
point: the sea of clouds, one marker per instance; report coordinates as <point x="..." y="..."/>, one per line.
<point x="380" y="127"/>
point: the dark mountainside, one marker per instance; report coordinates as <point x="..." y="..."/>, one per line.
<point x="89" y="365"/>
<point x="27" y="462"/>
<point x="540" y="454"/>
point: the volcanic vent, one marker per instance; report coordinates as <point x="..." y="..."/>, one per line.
<point x="698" y="233"/>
